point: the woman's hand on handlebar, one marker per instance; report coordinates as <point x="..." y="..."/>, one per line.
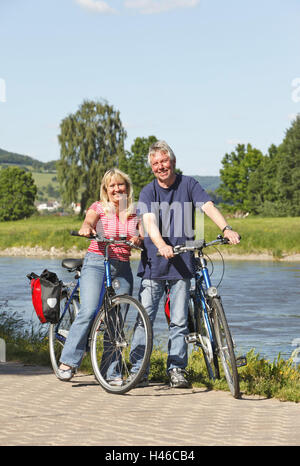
<point x="136" y="240"/>
<point x="87" y="230"/>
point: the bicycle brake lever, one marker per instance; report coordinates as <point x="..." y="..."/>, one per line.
<point x="132" y="245"/>
<point x="74" y="233"/>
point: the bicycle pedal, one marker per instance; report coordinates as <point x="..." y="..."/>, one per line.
<point x="191" y="338"/>
<point x="241" y="361"/>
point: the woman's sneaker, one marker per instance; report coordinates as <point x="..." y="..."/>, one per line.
<point x="116" y="382"/>
<point x="65" y="374"/>
<point x="177" y="378"/>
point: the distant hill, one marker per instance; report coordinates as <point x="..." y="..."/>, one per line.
<point x="11" y="158"/>
<point x="209" y="183"/>
<point x="43" y="178"/>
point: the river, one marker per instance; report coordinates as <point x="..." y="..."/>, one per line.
<point x="261" y="300"/>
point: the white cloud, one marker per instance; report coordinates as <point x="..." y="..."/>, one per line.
<point x="97" y="6"/>
<point x="141" y="6"/>
<point x="159" y="6"/>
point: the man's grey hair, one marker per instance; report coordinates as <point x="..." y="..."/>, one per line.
<point x="163" y="147"/>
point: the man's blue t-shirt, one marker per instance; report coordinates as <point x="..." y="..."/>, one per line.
<point x="174" y="208"/>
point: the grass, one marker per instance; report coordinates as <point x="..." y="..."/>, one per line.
<point x="22" y="343"/>
<point x="42" y="231"/>
<point x="278" y="379"/>
<point x="275" y="236"/>
<point x="42" y="179"/>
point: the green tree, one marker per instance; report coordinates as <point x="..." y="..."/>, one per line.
<point x="135" y="164"/>
<point x="17" y="194"/>
<point x="263" y="187"/>
<point x="91" y="142"/>
<point x="51" y="191"/>
<point x="288" y="173"/>
<point x="235" y="174"/>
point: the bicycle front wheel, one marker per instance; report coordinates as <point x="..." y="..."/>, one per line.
<point x="121" y="344"/>
<point x="58" y="332"/>
<point x="202" y="328"/>
<point x="225" y="347"/>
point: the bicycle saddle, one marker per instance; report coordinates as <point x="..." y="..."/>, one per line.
<point x="72" y="264"/>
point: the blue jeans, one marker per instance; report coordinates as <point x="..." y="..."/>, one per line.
<point x="151" y="292"/>
<point x="92" y="274"/>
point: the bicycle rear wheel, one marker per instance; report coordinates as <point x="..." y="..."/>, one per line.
<point x="58" y="332"/>
<point x="203" y="335"/>
<point x="225" y="347"/>
<point x="111" y="345"/>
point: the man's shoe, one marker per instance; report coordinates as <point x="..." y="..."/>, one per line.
<point x="177" y="378"/>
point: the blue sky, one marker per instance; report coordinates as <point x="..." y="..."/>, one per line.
<point x="202" y="74"/>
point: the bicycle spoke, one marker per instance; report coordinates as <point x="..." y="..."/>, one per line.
<point x="58" y="332"/>
<point x="225" y="347"/>
<point x="203" y="337"/>
<point x="113" y="351"/>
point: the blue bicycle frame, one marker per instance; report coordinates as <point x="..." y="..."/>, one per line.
<point x="201" y="276"/>
<point x="106" y="283"/>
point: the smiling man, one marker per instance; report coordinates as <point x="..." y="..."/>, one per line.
<point x="167" y="206"/>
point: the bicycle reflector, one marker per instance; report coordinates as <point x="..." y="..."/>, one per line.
<point x="116" y="284"/>
<point x="212" y="292"/>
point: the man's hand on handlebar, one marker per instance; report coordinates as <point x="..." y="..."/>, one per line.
<point x="232" y="236"/>
<point x="166" y="251"/>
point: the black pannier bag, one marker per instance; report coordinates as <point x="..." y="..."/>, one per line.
<point x="46" y="291"/>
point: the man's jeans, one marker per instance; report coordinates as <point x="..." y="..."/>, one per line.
<point x="151" y="292"/>
<point x="91" y="279"/>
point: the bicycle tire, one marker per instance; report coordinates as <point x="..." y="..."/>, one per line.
<point x="207" y="347"/>
<point x="58" y="332"/>
<point x="110" y="343"/>
<point x="225" y="347"/>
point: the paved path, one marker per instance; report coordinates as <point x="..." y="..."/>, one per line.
<point x="37" y="409"/>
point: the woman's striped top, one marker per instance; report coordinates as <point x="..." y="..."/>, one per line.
<point x="110" y="226"/>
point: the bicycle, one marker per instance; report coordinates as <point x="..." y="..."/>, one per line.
<point x="208" y="326"/>
<point x="114" y="323"/>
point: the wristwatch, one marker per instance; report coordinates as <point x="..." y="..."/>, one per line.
<point x="227" y="227"/>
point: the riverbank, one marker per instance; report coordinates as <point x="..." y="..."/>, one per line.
<point x="271" y="239"/>
<point x="74" y="252"/>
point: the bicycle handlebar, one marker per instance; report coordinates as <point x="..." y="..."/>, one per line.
<point x="102" y="239"/>
<point x="197" y="245"/>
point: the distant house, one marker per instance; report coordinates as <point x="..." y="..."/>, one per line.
<point x="76" y="207"/>
<point x="48" y="206"/>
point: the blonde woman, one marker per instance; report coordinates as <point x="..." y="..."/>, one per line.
<point x="112" y="216"/>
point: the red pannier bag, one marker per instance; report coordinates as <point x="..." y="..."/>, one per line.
<point x="167" y="306"/>
<point x="46" y="291"/>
